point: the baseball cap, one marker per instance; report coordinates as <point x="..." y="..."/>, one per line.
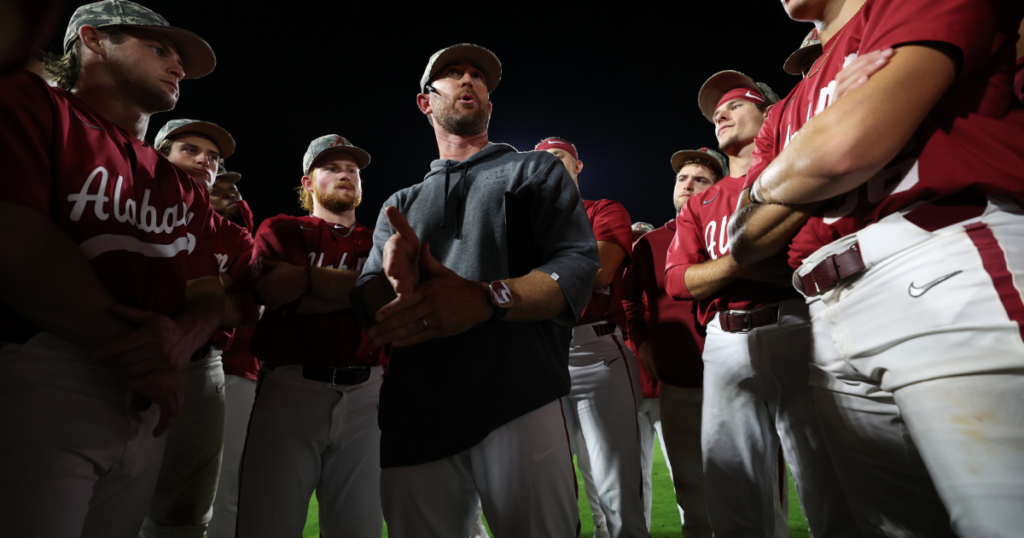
<point x="718" y="161"/>
<point x="723" y="82"/>
<point x="196" y="55"/>
<point x="483" y="59"/>
<point x="214" y="132"/>
<point x="332" y="143"/>
<point x="228" y="177"/>
<point x="801" y="60"/>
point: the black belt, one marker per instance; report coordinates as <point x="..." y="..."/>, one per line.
<point x="605" y="328"/>
<point x="347" y="375"/>
<point x="201" y="353"/>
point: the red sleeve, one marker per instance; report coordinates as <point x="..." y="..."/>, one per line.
<point x="611" y="223"/>
<point x="201" y="259"/>
<point x="633" y="299"/>
<point x="239" y="269"/>
<point x="966" y="24"/>
<point x="26" y="114"/>
<point x="686" y="249"/>
<point x="279" y="240"/>
<point x="764" y="144"/>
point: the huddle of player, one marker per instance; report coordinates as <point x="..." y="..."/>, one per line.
<point x="848" y="298"/>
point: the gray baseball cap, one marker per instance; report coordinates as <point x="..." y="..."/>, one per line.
<point x="196" y="55"/>
<point x="327" y="144"/>
<point x="483" y="59"/>
<point x="718" y="161"/>
<point x="725" y="81"/>
<point x="228" y="177"/>
<point x="802" y="60"/>
<point x="225" y="143"/>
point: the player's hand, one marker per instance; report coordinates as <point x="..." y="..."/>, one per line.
<point x="647" y="357"/>
<point x="163" y="388"/>
<point x="226" y="281"/>
<point x="401" y="257"/>
<point x="283" y="284"/>
<point x="157" y="343"/>
<point x="859" y="71"/>
<point x="447" y="304"/>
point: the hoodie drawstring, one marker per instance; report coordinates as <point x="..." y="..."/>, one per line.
<point x="462" y="200"/>
<point x="444" y="200"/>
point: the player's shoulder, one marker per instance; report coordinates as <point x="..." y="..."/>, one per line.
<point x="280" y="222"/>
<point x="22" y="85"/>
<point x="606" y="208"/>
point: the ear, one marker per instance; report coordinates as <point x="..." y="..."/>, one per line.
<point x="92" y="39"/>
<point x="490" y="105"/>
<point x="423" y="103"/>
<point x="579" y="166"/>
<point x="767" y="109"/>
<point x="307" y="183"/>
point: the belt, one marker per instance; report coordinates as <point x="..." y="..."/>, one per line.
<point x="604" y="328"/>
<point x="741" y="322"/>
<point x="201" y="353"/>
<point x="346" y="375"/>
<point x="832" y="270"/>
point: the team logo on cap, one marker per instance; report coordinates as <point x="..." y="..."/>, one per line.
<point x="339" y="141"/>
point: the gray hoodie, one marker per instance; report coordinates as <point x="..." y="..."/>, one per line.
<point x="499" y="214"/>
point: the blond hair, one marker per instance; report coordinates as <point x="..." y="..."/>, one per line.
<point x="64" y="70"/>
<point x="306" y="197"/>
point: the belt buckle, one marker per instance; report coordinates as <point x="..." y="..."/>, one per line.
<point x="747" y="318"/>
<point x="334" y="376"/>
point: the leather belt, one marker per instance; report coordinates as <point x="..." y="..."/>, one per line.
<point x="604" y="328"/>
<point x="832" y="270"/>
<point x="349" y="375"/>
<point x="741" y="322"/>
<point x="201" y="353"/>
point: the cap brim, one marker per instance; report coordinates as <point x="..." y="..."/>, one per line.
<point x="196" y="54"/>
<point x="229" y="177"/>
<point x="679" y="157"/>
<point x="482" y="58"/>
<point x="718" y="85"/>
<point x="225" y="143"/>
<point x="802" y="59"/>
<point x="362" y="157"/>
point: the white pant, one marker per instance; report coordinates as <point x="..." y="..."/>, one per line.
<point x="602" y="405"/>
<point x="936" y="320"/>
<point x="239" y="395"/>
<point x="650" y="425"/>
<point x="306" y="435"/>
<point x="680" y="413"/>
<point x="77" y="459"/>
<point x="183" y="500"/>
<point x="756" y="394"/>
<point x="521" y="472"/>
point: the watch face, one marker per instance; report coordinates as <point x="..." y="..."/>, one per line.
<point x="501" y="294"/>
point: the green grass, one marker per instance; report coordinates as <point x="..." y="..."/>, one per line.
<point x="664" y="515"/>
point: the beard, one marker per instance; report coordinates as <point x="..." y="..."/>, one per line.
<point x="461" y="122"/>
<point x="336" y="202"/>
<point x="149" y="95"/>
<point x="733" y="140"/>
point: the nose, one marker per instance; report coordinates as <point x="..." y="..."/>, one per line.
<point x="467" y="80"/>
<point x="723" y="117"/>
<point x="176" y="68"/>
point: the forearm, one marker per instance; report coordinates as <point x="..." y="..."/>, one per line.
<point x="706" y="278"/>
<point x="332" y="286"/>
<point x="535" y="297"/>
<point x="202" y="311"/>
<point x="758" y="231"/>
<point x="57" y="289"/>
<point x="240" y="311"/>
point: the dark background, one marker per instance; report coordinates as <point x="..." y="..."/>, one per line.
<point x="619" y="80"/>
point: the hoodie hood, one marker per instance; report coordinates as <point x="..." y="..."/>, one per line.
<point x="455" y="175"/>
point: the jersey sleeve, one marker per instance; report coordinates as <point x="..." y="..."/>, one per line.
<point x="27" y="117"/>
<point x="201" y="260"/>
<point x="612" y="224"/>
<point x="967" y="25"/>
<point x="633" y="299"/>
<point x="764" y="144"/>
<point x="239" y="268"/>
<point x="686" y="249"/>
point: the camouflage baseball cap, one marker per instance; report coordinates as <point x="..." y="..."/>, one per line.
<point x="196" y="55"/>
<point x="800" y="61"/>
<point x="719" y="162"/>
<point x="725" y="81"/>
<point x="483" y="59"/>
<point x="332" y="143"/>
<point x="228" y="177"/>
<point x="225" y="143"/>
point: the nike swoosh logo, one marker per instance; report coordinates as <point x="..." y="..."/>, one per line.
<point x="916" y="292"/>
<point x="752" y="96"/>
<point x="706" y="202"/>
<point x="538" y="457"/>
<point x="220" y="389"/>
<point x="301" y="227"/>
<point x="609" y="363"/>
<point x="89" y="125"/>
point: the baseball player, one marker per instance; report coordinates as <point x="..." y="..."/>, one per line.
<point x="314" y="422"/>
<point x="478" y="318"/>
<point x="111" y="247"/>
<point x="183" y="500"/>
<point x="602" y="404"/>
<point x="909" y="263"/>
<point x="757" y="349"/>
<point x="669" y="342"/>
<point x="800" y="62"/>
<point x="240" y="369"/>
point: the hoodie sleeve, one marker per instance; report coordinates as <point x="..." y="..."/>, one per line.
<point x="374" y="266"/>
<point x="563" y="235"/>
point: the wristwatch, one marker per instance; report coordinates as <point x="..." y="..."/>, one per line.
<point x="501" y="299"/>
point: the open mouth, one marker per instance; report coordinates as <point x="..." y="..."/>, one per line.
<point x="467" y="98"/>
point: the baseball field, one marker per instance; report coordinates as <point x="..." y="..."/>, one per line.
<point x="664" y="514"/>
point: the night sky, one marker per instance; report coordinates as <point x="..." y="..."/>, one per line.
<point x="621" y="83"/>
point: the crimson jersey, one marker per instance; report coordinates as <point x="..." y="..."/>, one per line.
<point x="233" y="252"/>
<point x="238" y="360"/>
<point x="144" y="225"/>
<point x="971" y="142"/>
<point x="333" y="339"/>
<point x="652" y="316"/>
<point x="1018" y="79"/>
<point x="702" y="235"/>
<point x="611" y="223"/>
